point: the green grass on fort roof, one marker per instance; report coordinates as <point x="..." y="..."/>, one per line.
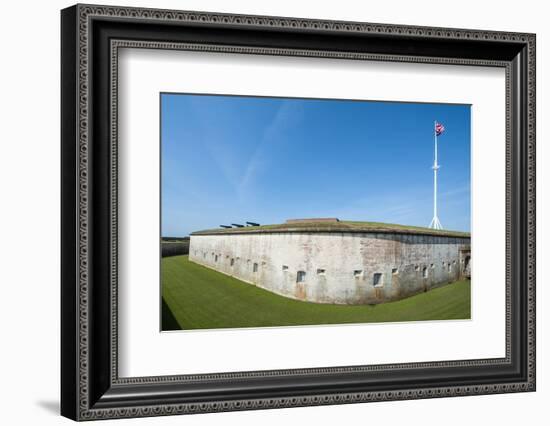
<point x="196" y="297"/>
<point x="343" y="225"/>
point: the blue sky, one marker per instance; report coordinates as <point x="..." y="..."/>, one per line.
<point x="231" y="159"/>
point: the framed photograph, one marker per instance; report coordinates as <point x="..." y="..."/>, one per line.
<point x="249" y="274"/>
<point x="263" y="212"/>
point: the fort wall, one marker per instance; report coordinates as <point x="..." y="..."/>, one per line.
<point x="336" y="267"/>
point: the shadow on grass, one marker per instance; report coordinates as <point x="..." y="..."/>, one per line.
<point x="169" y="321"/>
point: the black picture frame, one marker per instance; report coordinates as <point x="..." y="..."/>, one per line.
<point x="90" y="386"/>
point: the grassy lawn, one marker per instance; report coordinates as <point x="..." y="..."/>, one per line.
<point x="195" y="297"/>
<point x="345" y="225"/>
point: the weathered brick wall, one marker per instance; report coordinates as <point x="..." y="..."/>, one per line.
<point x="339" y="267"/>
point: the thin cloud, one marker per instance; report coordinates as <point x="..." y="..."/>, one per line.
<point x="456" y="191"/>
<point x="407" y="207"/>
<point x="286" y="116"/>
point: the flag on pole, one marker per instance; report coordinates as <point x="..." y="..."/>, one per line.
<point x="439" y="128"/>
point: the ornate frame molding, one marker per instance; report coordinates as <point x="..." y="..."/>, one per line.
<point x="90" y="401"/>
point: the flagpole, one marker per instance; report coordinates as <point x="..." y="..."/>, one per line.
<point x="435" y="224"/>
<point x="435" y="171"/>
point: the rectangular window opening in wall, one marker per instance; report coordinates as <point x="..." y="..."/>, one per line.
<point x="377" y="279"/>
<point x="285" y="268"/>
<point x="215" y="258"/>
<point x="255" y="267"/>
<point x="321" y="272"/>
<point x="358" y="273"/>
<point x="232" y="262"/>
<point x="394" y="271"/>
<point x="301" y="276"/>
<point x="449" y="268"/>
<point x="425" y="272"/>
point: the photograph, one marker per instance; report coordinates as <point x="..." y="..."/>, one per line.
<point x="264" y="209"/>
<point x="279" y="211"/>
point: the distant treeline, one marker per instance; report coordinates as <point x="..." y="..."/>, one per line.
<point x="174" y="246"/>
<point x="174" y="239"/>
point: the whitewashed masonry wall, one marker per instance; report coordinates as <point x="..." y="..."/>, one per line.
<point x="336" y="267"/>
